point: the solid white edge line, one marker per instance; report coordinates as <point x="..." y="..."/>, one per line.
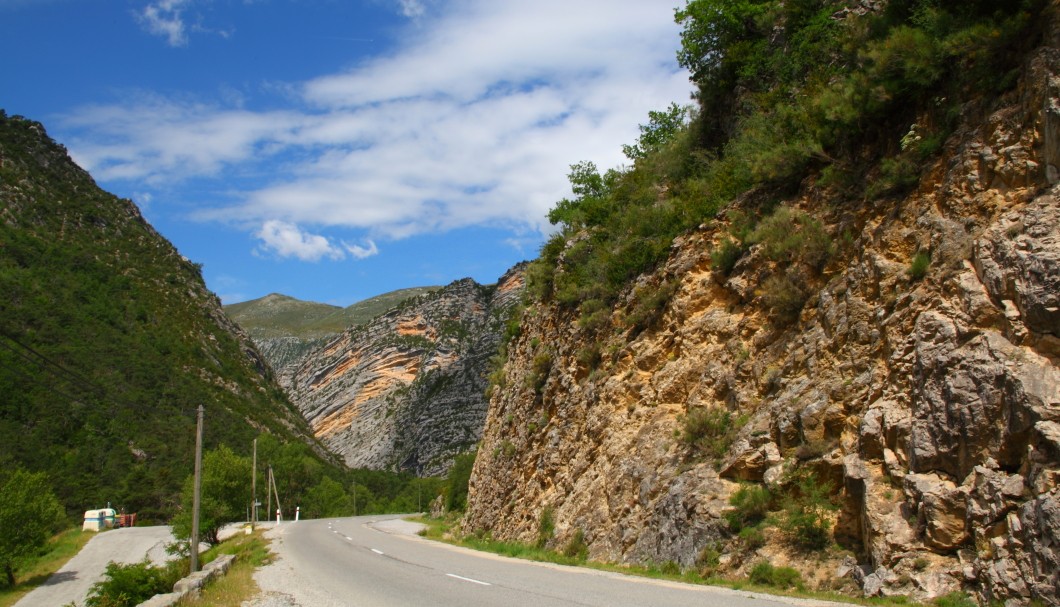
<point x="467" y="579"/>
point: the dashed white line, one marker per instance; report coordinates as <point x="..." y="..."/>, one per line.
<point x="348" y="538"/>
<point x="467" y="579"/>
<point x="377" y="551"/>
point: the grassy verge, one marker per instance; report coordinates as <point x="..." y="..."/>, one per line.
<point x="443" y="530"/>
<point x="238" y="585"/>
<point x="36" y="571"/>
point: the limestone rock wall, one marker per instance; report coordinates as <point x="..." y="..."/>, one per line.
<point x="407" y="390"/>
<point x="932" y="406"/>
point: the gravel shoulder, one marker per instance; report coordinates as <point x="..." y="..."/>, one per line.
<point x="73" y="581"/>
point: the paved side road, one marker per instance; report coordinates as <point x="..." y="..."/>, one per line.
<point x="72" y="583"/>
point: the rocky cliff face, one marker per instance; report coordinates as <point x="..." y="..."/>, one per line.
<point x="406" y="391"/>
<point x="930" y="406"/>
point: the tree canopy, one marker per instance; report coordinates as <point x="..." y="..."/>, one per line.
<point x="29" y="514"/>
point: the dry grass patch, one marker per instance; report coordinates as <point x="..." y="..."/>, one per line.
<point x="238" y="585"/>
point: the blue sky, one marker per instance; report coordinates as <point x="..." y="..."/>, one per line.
<point x="333" y="150"/>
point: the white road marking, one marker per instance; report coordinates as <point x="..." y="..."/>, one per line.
<point x="467" y="579"/>
<point x="377" y="551"/>
<point x="348" y="538"/>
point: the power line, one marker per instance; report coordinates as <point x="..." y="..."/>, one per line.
<point x="26" y="376"/>
<point x="49" y="365"/>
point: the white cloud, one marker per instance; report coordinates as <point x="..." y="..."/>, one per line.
<point x="362" y="252"/>
<point x="164" y="18"/>
<point x="412" y="8"/>
<point x="288" y="240"/>
<point x="473" y="121"/>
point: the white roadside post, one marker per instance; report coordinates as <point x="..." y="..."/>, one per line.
<point x="297" y="513"/>
<point x="277" y="516"/>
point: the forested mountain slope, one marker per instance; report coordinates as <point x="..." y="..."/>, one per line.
<point x="815" y="322"/>
<point x="109" y="340"/>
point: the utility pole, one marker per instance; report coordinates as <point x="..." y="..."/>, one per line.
<point x="268" y="495"/>
<point x="194" y="552"/>
<point x="254" y="487"/>
<point x="275" y="492"/>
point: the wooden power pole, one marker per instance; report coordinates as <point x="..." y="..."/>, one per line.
<point x="254" y="487"/>
<point x="194" y="552"/>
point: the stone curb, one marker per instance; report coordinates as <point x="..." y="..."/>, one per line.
<point x="192" y="584"/>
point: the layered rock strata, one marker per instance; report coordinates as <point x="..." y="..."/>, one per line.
<point x="407" y="390"/>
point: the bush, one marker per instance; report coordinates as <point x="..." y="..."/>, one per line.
<point x="784" y="297"/>
<point x="766" y="574"/>
<point x="129" y="585"/>
<point x="806" y="512"/>
<point x="789" y="236"/>
<point x="752" y="538"/>
<point x="898" y="175"/>
<point x="710" y="431"/>
<point x="750" y="506"/>
<point x="709" y="559"/>
<point x="539" y="370"/>
<point x="919" y="266"/>
<point x="650" y="304"/>
<point x="724" y="258"/>
<point x="590" y="356"/>
<point x="576" y="547"/>
<point x="546" y="527"/>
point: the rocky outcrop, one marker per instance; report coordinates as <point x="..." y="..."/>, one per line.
<point x="407" y="390"/>
<point x="930" y="406"/>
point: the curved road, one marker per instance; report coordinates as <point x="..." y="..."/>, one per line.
<point x="375" y="561"/>
<point x="73" y="581"/>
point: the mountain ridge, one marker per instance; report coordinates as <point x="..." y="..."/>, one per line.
<point x="111" y="341"/>
<point x="280" y="315"/>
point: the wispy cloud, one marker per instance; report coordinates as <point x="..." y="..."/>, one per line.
<point x="164" y="18"/>
<point x="412" y="8"/>
<point x="362" y="252"/>
<point x="474" y="121"/>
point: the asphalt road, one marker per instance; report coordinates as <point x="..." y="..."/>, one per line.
<point x="373" y="561"/>
<point x="73" y="581"/>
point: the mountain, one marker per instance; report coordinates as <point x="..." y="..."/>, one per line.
<point x="277" y="315"/>
<point x="406" y="391"/>
<point x="817" y="324"/>
<point x="109" y="341"/>
<point x="286" y="329"/>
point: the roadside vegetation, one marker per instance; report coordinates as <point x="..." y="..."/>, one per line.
<point x="30" y="514"/>
<point x="764" y="577"/>
<point x="127" y="585"/>
<point x="238" y="585"/>
<point x="36" y="568"/>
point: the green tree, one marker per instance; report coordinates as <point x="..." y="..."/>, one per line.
<point x="225" y="495"/>
<point x="29" y="514"/>
<point x="662" y="127"/>
<point x="325" y="499"/>
<point x="457" y="481"/>
<point x="720" y="35"/>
